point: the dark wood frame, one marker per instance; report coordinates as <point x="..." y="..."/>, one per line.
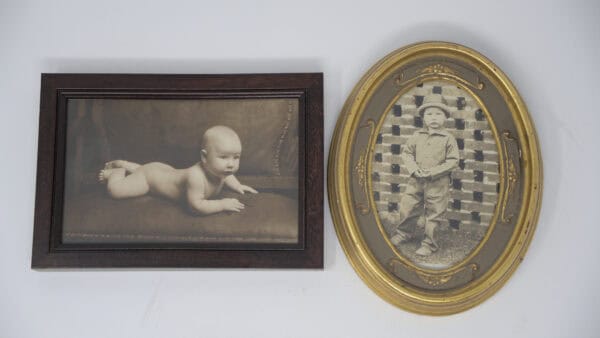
<point x="48" y="250"/>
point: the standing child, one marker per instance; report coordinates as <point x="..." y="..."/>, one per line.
<point x="430" y="155"/>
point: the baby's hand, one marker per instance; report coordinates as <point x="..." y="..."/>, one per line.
<point x="243" y="188"/>
<point x="231" y="204"/>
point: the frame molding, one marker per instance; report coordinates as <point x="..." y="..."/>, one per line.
<point x="397" y="280"/>
<point x="48" y="251"/>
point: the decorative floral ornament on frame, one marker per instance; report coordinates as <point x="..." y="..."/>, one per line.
<point x="435" y="178"/>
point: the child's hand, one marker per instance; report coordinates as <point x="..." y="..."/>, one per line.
<point x="243" y="188"/>
<point x="231" y="204"/>
<point x="422" y="173"/>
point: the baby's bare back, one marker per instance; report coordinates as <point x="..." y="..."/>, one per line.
<point x="175" y="184"/>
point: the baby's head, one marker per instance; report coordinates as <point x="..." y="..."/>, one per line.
<point x="221" y="151"/>
<point x="434" y="111"/>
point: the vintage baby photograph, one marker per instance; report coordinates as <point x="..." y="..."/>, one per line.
<point x="207" y="172"/>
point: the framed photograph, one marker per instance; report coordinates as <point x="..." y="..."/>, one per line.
<point x="180" y="171"/>
<point x="435" y="178"/>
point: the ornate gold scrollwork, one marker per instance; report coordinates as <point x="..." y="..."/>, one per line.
<point x="361" y="170"/>
<point x="411" y="286"/>
<point x="512" y="174"/>
<point x="437" y="70"/>
<point x="432" y="278"/>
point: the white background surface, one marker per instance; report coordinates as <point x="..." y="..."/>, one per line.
<point x="550" y="50"/>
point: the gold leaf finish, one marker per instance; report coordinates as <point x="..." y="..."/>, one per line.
<point x="437" y="71"/>
<point x="361" y="172"/>
<point x="434" y="278"/>
<point x="512" y="174"/>
<point x="465" y="285"/>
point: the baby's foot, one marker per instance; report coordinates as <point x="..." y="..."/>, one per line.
<point x="114" y="164"/>
<point x="129" y="166"/>
<point x="104" y="174"/>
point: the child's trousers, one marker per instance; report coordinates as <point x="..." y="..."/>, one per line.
<point x="428" y="197"/>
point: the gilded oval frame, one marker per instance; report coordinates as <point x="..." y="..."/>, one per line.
<point x="490" y="265"/>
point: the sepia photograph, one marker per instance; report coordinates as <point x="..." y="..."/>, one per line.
<point x="436" y="174"/>
<point x="435" y="178"/>
<point x="171" y="171"/>
<point x="145" y="170"/>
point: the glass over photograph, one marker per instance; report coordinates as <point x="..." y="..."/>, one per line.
<point x="203" y="171"/>
<point x="435" y="175"/>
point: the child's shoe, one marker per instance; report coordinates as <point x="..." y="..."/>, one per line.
<point x="424" y="250"/>
<point x="399" y="237"/>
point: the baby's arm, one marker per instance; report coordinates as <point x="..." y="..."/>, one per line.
<point x="232" y="183"/>
<point x="198" y="202"/>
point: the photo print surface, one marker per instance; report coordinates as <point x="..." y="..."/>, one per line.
<point x="213" y="172"/>
<point x="435" y="175"/>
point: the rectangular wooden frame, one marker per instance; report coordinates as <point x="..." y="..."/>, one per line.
<point x="48" y="250"/>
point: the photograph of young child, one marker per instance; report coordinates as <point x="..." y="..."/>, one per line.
<point x="435" y="174"/>
<point x="220" y="157"/>
<point x="205" y="172"/>
<point x="429" y="156"/>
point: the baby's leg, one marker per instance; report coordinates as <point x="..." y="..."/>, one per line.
<point x="120" y="186"/>
<point x="129" y="166"/>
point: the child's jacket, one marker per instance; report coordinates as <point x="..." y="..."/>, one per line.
<point x="436" y="151"/>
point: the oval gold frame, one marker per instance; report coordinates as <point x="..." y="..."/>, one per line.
<point x="521" y="172"/>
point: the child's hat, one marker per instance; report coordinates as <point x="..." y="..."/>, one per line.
<point x="434" y="100"/>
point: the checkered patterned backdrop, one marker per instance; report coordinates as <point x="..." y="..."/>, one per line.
<point x="475" y="182"/>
